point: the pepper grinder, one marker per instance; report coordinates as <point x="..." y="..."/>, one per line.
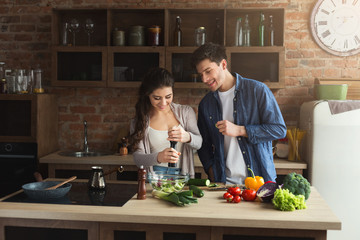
<point x="172" y="145"/>
<point x="141" y="194"/>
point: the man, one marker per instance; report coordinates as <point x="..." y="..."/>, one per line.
<point x="238" y="121"/>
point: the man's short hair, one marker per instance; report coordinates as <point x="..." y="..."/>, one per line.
<point x="214" y="52"/>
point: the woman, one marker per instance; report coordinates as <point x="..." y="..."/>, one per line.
<point x="158" y="121"/>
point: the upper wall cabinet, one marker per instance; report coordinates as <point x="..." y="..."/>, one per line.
<point x="115" y="47"/>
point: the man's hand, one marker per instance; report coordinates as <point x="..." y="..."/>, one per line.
<point x="230" y="129"/>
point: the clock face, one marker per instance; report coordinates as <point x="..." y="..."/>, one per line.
<point x="335" y="25"/>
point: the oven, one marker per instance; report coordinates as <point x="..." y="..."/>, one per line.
<point x="18" y="164"/>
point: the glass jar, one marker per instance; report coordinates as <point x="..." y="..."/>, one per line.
<point x="200" y="36"/>
<point x="10" y="81"/>
<point x="37" y="81"/>
<point x="154" y="35"/>
<point x="282" y="148"/>
<point x="136" y="36"/>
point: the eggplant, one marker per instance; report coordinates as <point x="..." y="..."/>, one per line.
<point x="266" y="192"/>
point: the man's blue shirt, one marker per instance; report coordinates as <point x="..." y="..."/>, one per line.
<point x="255" y="107"/>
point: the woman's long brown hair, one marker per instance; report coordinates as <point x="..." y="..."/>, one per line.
<point x="154" y="79"/>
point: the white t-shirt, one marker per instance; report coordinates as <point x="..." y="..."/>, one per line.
<point x="235" y="165"/>
<point x="158" y="142"/>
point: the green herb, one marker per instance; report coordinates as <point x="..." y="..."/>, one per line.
<point x="179" y="199"/>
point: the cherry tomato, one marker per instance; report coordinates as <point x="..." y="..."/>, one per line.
<point x="236" y="199"/>
<point x="230" y="190"/>
<point x="249" y="194"/>
<point x="234" y="191"/>
<point x="226" y="195"/>
<point x="230" y="198"/>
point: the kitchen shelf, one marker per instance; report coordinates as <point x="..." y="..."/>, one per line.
<point x="124" y="66"/>
<point x="79" y="66"/>
<point x="128" y="64"/>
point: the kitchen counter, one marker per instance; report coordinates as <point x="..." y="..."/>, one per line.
<point x="56" y="162"/>
<point x="212" y="218"/>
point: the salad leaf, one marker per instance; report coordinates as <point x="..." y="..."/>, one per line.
<point x="284" y="200"/>
<point x="168" y="186"/>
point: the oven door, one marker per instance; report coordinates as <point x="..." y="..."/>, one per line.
<point x="18" y="163"/>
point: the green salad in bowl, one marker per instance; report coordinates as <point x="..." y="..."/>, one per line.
<point x="167" y="182"/>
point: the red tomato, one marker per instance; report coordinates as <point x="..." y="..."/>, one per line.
<point x="234" y="191"/>
<point x="249" y="194"/>
<point x="230" y="198"/>
<point x="226" y="195"/>
<point x="236" y="199"/>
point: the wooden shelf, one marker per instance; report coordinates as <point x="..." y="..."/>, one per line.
<point x="264" y="64"/>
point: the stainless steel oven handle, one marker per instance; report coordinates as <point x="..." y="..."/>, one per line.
<point x="16" y="156"/>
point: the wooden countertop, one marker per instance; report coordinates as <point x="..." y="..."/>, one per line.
<point x="127" y="160"/>
<point x="211" y="210"/>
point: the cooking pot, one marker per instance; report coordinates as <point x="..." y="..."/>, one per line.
<point x="39" y="191"/>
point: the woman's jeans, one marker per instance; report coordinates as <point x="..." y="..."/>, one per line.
<point x="168" y="170"/>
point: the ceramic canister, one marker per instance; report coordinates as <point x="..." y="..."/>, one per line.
<point x="136" y="36"/>
<point x="118" y="37"/>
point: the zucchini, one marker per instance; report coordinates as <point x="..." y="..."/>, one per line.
<point x="199" y="182"/>
<point x="197" y="191"/>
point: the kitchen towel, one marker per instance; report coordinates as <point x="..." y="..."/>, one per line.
<point x="337" y="106"/>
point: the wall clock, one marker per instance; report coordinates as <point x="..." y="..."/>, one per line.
<point x="335" y="26"/>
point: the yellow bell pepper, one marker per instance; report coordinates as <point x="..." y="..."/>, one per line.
<point x="253" y="182"/>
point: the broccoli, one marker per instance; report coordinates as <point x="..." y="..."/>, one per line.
<point x="297" y="184"/>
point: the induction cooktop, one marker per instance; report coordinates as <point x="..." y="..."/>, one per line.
<point x="113" y="195"/>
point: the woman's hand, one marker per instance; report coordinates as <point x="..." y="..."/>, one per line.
<point x="168" y="155"/>
<point x="178" y="134"/>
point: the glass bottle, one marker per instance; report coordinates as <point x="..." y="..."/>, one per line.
<point x="239" y="33"/>
<point x="3" y="86"/>
<point x="178" y="33"/>
<point x="261" y="30"/>
<point x="271" y="32"/>
<point x="217" y="32"/>
<point x="246" y="31"/>
<point x="65" y="34"/>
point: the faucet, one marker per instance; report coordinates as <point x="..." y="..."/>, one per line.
<point x="86" y="147"/>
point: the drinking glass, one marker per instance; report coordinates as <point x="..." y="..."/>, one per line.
<point x="21" y="81"/>
<point x="89" y="28"/>
<point x="74" y="28"/>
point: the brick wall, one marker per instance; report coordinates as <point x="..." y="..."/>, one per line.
<point x="25" y="41"/>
